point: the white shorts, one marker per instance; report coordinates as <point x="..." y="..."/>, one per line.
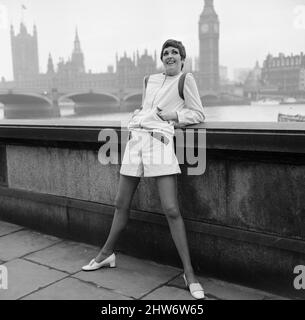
<point x="149" y="154"/>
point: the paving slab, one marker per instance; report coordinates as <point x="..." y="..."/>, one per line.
<point x="25" y="277"/>
<point x="34" y="275"/>
<point x="7" y="228"/>
<point x="18" y="244"/>
<point x="74" y="289"/>
<point x="132" y="277"/>
<point x="169" y="293"/>
<point x="67" y="256"/>
<point x="225" y="290"/>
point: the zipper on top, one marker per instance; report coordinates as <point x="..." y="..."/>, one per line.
<point x="152" y="104"/>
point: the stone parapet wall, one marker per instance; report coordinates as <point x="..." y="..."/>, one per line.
<point x="244" y="215"/>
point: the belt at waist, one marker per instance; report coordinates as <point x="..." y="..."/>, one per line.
<point x="157" y="135"/>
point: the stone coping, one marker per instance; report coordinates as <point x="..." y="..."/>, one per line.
<point x="219" y="125"/>
<point x="238" y="136"/>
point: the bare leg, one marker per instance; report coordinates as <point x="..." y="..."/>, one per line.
<point x="167" y="187"/>
<point x="127" y="188"/>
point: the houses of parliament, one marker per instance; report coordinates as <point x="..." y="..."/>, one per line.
<point x="71" y="75"/>
<point x="278" y="76"/>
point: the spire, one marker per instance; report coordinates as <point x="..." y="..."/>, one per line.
<point x="77" y="48"/>
<point x="76" y="35"/>
<point x="50" y="64"/>
<point x="77" y="58"/>
<point x="23" y="29"/>
<point x="12" y="31"/>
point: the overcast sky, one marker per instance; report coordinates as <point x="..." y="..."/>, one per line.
<point x="249" y="29"/>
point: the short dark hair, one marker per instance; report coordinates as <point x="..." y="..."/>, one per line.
<point x="175" y="44"/>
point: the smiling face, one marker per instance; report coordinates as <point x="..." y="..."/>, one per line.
<point x="172" y="61"/>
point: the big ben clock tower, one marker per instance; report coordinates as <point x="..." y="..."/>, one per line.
<point x="209" y="48"/>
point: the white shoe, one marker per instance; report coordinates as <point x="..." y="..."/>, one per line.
<point x="93" y="265"/>
<point x="196" y="289"/>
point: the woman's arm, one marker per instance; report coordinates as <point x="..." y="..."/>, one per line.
<point x="193" y="111"/>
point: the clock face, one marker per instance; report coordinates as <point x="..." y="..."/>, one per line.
<point x="216" y="28"/>
<point x="204" y="28"/>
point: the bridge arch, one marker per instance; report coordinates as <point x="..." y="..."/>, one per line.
<point x="91" y="96"/>
<point x="93" y="102"/>
<point x="24" y="98"/>
<point x="133" y="97"/>
<point x="27" y="105"/>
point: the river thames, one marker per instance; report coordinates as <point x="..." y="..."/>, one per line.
<point x="253" y="113"/>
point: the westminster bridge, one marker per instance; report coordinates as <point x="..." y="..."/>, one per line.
<point x="33" y="102"/>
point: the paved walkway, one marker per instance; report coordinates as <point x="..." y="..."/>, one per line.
<point x="45" y="267"/>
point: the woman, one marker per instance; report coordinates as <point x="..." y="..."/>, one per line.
<point x="150" y="153"/>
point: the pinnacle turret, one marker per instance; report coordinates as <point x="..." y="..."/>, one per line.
<point x="12" y="30"/>
<point x="77" y="47"/>
<point x="50" y="64"/>
<point x="77" y="58"/>
<point x="23" y="29"/>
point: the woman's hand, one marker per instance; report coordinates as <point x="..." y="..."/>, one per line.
<point x="167" y="116"/>
<point x="136" y="112"/>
